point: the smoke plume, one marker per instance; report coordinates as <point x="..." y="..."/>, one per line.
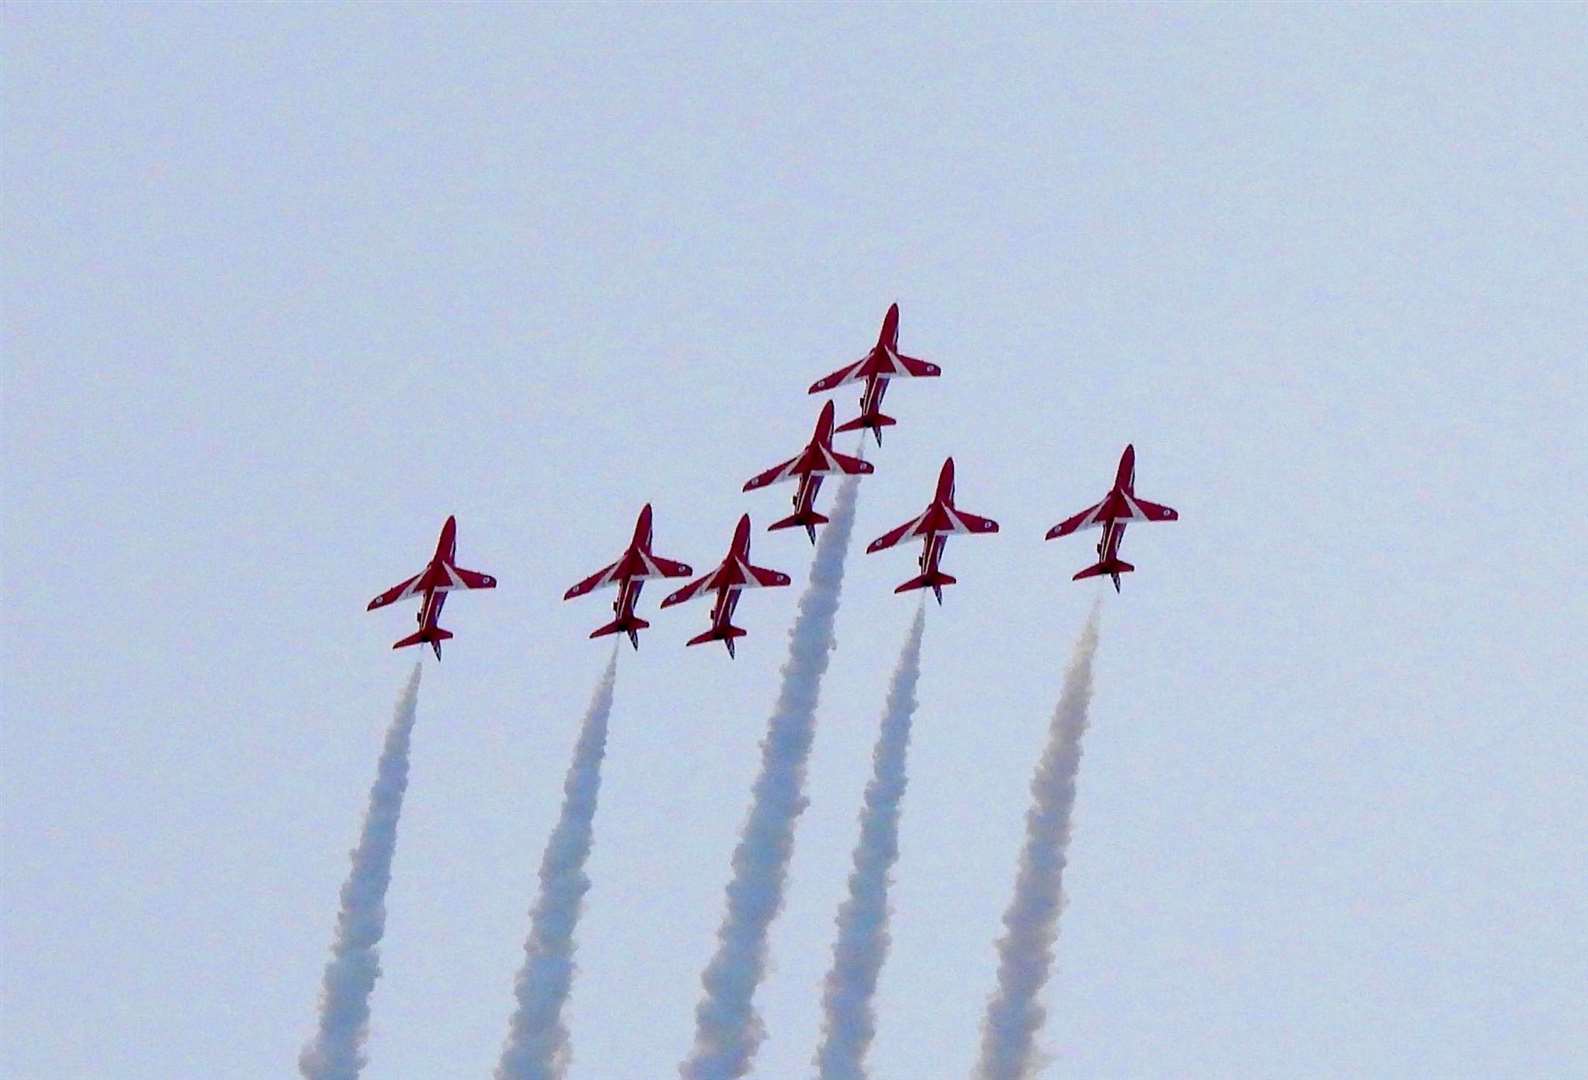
<point x="337" y="1051"/>
<point x="537" y="1038"/>
<point x="849" y="1021"/>
<point x="728" y="1031"/>
<point x="1031" y="924"/>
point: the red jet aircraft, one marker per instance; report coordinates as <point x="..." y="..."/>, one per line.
<point x="817" y="460"/>
<point x="434" y="581"/>
<point x="727" y="581"/>
<point x="879" y="365"/>
<point x="937" y="523"/>
<point x="1119" y="508"/>
<point x="630" y="572"/>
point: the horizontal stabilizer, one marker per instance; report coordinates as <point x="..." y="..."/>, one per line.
<point x="927" y="581"/>
<point x="809" y="518"/>
<point x="618" y="626"/>
<point x="437" y="634"/>
<point x="1110" y="566"/>
<point x="727" y="633"/>
<point x="864" y="421"/>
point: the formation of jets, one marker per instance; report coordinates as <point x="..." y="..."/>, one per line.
<point x="941" y="519"/>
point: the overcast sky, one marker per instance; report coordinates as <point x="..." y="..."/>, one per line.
<point x="285" y="286"/>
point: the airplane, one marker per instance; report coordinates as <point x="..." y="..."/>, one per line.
<point x="937" y="523"/>
<point x="818" y="459"/>
<point x="733" y="576"/>
<point x="1120" y="507"/>
<point x="440" y="577"/>
<point x="882" y="363"/>
<point x="633" y="568"/>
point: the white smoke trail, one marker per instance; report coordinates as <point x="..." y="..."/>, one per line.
<point x="728" y="1031"/>
<point x="337" y="1051"/>
<point x="1031" y="924"/>
<point x="849" y="1021"/>
<point x="537" y="1039"/>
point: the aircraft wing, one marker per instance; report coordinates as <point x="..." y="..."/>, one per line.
<point x="669" y="568"/>
<point x="970" y="523"/>
<point x="698" y="587"/>
<point x="603" y="576"/>
<point x="776" y="474"/>
<point x="470" y="579"/>
<point x="852" y="465"/>
<point x="1151" y="511"/>
<point x="761" y="577"/>
<point x="895" y="536"/>
<point x="847" y="373"/>
<point x="918" y="368"/>
<point x="396" y="593"/>
<point x="1090" y="518"/>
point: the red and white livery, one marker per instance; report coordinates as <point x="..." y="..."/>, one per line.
<point x="1119" y="508"/>
<point x="634" y="568"/>
<point x="940" y="520"/>
<point x="728" y="580"/>
<point x="882" y="363"/>
<point x="817" y="460"/>
<point x="440" y="577"/>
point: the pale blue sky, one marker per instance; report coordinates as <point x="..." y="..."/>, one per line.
<point x="285" y="286"/>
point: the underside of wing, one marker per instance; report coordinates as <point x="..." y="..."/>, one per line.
<point x="759" y="577"/>
<point x="845" y="374"/>
<point x="669" y="568"/>
<point x="970" y="523"/>
<point x="603" y="576"/>
<point x="1086" y="519"/>
<point x="695" y="588"/>
<point x="1151" y="511"/>
<point x="776" y="474"/>
<point x="470" y="579"/>
<point x="895" y="536"/>
<point x="852" y="465"/>
<point x="396" y="593"/>
<point x="920" y="369"/>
